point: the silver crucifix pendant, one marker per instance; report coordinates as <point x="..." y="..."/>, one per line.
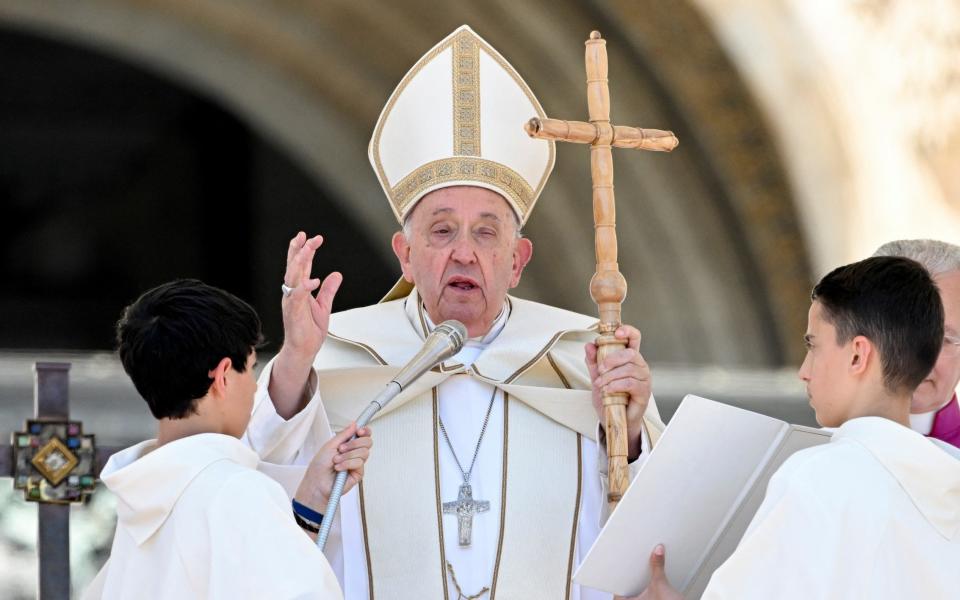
<point x="465" y="507"/>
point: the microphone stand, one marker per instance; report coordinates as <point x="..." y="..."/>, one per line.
<point x="445" y="341"/>
<point x="393" y="388"/>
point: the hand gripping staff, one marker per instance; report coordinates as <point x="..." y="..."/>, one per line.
<point x="445" y="341"/>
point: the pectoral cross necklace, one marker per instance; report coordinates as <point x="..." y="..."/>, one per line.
<point x="465" y="507"/>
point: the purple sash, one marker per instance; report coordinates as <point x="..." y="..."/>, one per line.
<point x="946" y="423"/>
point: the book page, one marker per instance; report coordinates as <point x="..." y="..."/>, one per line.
<point x="690" y="487"/>
<point x="798" y="437"/>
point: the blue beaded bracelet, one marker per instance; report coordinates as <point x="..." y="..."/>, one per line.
<point x="307" y="513"/>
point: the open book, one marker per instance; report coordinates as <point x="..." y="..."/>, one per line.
<point x="696" y="493"/>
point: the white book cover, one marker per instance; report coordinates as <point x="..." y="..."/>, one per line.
<point x="696" y="493"/>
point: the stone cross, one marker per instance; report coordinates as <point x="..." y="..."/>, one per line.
<point x="608" y="288"/>
<point x="465" y="507"/>
<point x="55" y="465"/>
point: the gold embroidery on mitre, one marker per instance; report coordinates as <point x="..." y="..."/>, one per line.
<point x="464" y="169"/>
<point x="399" y="203"/>
<point x="466" y="95"/>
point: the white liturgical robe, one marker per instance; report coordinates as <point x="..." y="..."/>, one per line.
<point x="873" y="514"/>
<point x="547" y="472"/>
<point x="195" y="519"/>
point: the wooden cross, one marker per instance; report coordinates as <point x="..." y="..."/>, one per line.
<point x="465" y="507"/>
<point x="65" y="453"/>
<point x="608" y="288"/>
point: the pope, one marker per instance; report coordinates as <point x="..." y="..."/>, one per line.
<point x="488" y="478"/>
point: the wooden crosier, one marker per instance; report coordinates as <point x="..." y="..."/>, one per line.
<point x="608" y="288"/>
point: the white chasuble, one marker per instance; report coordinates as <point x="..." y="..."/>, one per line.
<point x="537" y="464"/>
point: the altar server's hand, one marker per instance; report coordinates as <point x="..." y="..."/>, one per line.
<point x="305" y="317"/>
<point x="339" y="454"/>
<point x="659" y="588"/>
<point x="623" y="371"/>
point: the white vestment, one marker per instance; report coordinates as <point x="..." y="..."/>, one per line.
<point x="391" y="525"/>
<point x="874" y="514"/>
<point x="195" y="519"/>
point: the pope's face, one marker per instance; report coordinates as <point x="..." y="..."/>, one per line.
<point x="463" y="255"/>
<point x="940" y="384"/>
<point x="824" y="368"/>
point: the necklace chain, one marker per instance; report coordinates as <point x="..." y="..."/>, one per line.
<point x="476" y="451"/>
<point x="456" y="584"/>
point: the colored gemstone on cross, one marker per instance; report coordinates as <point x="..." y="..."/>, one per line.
<point x="54" y="461"/>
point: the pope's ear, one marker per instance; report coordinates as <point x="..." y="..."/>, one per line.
<point x="521" y="257"/>
<point x="401" y="247"/>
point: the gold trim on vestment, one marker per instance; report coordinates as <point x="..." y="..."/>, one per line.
<point x="503" y="494"/>
<point x="423" y="320"/>
<point x="560" y="374"/>
<point x="474" y="368"/>
<point x="436" y="485"/>
<point x="543" y="351"/>
<point x="360" y="345"/>
<point x="466" y="96"/>
<point x="576" y="514"/>
<point x="576" y="505"/>
<point x="366" y="541"/>
<point x="503" y="489"/>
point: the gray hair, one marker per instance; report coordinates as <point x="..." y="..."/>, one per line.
<point x="936" y="256"/>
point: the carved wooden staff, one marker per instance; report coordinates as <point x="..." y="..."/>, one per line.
<point x="608" y="288"/>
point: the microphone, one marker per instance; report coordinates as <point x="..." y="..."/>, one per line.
<point x="445" y="341"/>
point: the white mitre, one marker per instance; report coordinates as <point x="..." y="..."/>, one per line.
<point x="457" y="119"/>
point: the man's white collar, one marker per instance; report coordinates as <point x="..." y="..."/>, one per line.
<point x="473" y="347"/>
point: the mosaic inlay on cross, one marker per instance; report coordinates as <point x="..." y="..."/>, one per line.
<point x="55" y="464"/>
<point x="608" y="288"/>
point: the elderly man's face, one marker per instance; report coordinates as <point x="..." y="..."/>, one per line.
<point x="463" y="255"/>
<point x="940" y="384"/>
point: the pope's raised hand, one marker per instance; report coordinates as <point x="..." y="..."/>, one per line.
<point x="305" y="316"/>
<point x="626" y="371"/>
